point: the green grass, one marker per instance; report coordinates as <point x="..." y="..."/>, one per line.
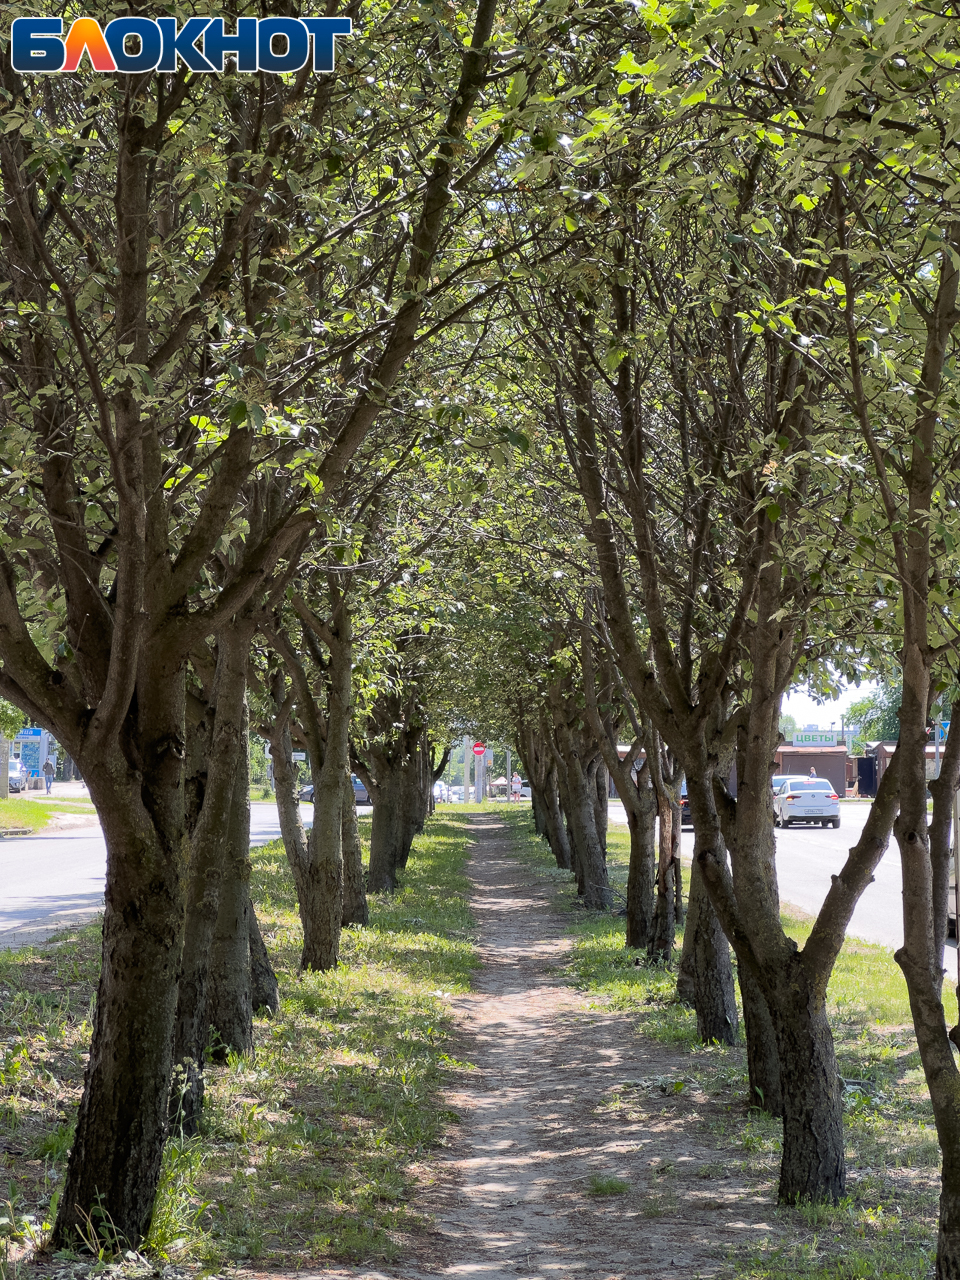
<point x="886" y="1228"/>
<point x="309" y="1150"/>
<point x="606" y="1185"/>
<point x="23" y="813"/>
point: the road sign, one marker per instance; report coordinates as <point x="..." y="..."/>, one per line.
<point x="478" y="748"/>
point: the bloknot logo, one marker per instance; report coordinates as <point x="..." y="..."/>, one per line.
<point x="137" y="45"/>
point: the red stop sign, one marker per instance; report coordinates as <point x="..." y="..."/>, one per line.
<point x="478" y="748"/>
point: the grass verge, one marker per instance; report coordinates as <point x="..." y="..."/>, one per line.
<point x="310" y="1150"/>
<point x="886" y="1227"/>
<point x="23" y="813"/>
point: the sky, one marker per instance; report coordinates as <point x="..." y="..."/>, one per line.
<point x="805" y="710"/>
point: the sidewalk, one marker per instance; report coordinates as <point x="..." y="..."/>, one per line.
<point x="61" y="791"/>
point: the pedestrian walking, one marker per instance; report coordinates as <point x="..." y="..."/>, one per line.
<point x="49" y="769"/>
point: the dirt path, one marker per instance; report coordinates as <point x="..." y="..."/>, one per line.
<point x="511" y="1199"/>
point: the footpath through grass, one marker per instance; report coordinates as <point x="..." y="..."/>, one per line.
<point x="310" y="1150"/>
<point x="885" y="1229"/>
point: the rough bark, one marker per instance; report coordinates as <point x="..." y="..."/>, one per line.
<point x="264" y="988"/>
<point x="576" y="760"/>
<point x="223" y="736"/>
<point x="286" y="784"/>
<point x="666" y="776"/>
<point x="665" y="921"/>
<point x="397" y="773"/>
<point x="602" y="802"/>
<point x="355" y="909"/>
<point x="317" y="863"/>
<point x="321" y="903"/>
<point x="763" y="1056"/>
<point x="121" y="1124"/>
<point x="641" y="876"/>
<point x="391" y="833"/>
<point x="322" y="909"/>
<point x="812" y="1166"/>
<point x="705" y="979"/>
<point x="229" y="1012"/>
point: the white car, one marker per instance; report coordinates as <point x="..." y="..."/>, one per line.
<point x="806" y="800"/>
<point x="779" y="779"/>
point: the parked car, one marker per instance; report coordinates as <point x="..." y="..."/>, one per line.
<point x="456" y="795"/>
<point x="779" y="779"/>
<point x="686" y="817"/>
<point x="17" y="776"/>
<point x="441" y="792"/>
<point x="806" y="800"/>
<point x="360" y="793"/>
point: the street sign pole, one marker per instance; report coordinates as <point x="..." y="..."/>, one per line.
<point x="478" y="751"/>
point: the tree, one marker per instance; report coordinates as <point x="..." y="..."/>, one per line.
<point x="163" y="237"/>
<point x="877" y="715"/>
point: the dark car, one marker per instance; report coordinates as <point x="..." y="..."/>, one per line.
<point x="360" y="795"/>
<point x="686" y="817"/>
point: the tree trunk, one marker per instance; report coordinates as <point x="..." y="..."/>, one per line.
<point x="812" y="1165"/>
<point x="601" y="804"/>
<point x="948" y="1229"/>
<point x="763" y="1057"/>
<point x="388" y="831"/>
<point x="641" y="820"/>
<point x="539" y="812"/>
<point x="355" y="909"/>
<point x="705" y="979"/>
<point x="122" y="1121"/>
<point x="318" y="867"/>
<point x="557" y="836"/>
<point x="212" y="862"/>
<point x="264" y="988"/>
<point x="589" y="853"/>
<point x="321" y="906"/>
<point x="668" y="870"/>
<point x="230" y="999"/>
<point x="416" y="799"/>
<point x="285" y="781"/>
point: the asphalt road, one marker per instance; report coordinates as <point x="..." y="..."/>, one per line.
<point x="808" y="856"/>
<point x="53" y="880"/>
<point x="48" y="881"/>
